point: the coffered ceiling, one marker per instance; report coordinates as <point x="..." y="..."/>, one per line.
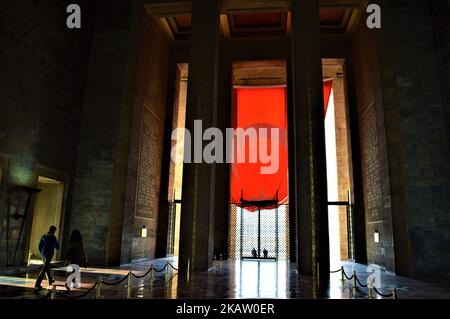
<point x="249" y="18"/>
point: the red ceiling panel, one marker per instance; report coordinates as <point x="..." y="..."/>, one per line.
<point x="183" y="23"/>
<point x="331" y="16"/>
<point x="258" y="20"/>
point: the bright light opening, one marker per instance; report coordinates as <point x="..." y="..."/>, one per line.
<point x="332" y="182"/>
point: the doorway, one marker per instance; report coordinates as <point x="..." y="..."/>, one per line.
<point x="259" y="218"/>
<point x="339" y="165"/>
<point x="176" y="164"/>
<point x="47" y="212"/>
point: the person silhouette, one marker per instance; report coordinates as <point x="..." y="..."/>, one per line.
<point x="75" y="255"/>
<point x="254" y="255"/>
<point x="47" y="247"/>
<point x="265" y="253"/>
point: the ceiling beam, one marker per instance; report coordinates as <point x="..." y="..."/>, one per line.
<point x="357" y="15"/>
<point x="168" y="8"/>
<point x="183" y="7"/>
<point x="162" y="22"/>
<point x="341" y="4"/>
<point x="225" y="26"/>
<point x="288" y="23"/>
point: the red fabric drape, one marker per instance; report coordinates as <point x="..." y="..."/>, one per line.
<point x="262" y="108"/>
<point x="327" y="85"/>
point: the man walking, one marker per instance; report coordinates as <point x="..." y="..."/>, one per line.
<point x="47" y="247"/>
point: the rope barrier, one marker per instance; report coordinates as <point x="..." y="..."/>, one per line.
<point x="345" y="275"/>
<point x="336" y="271"/>
<point x="381" y="294"/>
<point x="53" y="293"/>
<point x="115" y="282"/>
<point x="68" y="296"/>
<point x="356" y="281"/>
<point x="161" y="270"/>
<point x="171" y="266"/>
<point x="144" y="275"/>
<point x="359" y="282"/>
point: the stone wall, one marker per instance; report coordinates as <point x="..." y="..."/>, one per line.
<point x="404" y="141"/>
<point x="100" y="129"/>
<point x="146" y="142"/>
<point x="42" y="81"/>
<point x="440" y="15"/>
<point x="424" y="124"/>
<point x="374" y="160"/>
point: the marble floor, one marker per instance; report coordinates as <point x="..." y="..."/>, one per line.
<point x="227" y="279"/>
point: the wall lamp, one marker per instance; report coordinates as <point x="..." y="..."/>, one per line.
<point x="376" y="236"/>
<point x="144" y="232"/>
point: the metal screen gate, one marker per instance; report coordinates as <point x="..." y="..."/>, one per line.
<point x="259" y="233"/>
<point x="171" y="229"/>
<point x="350" y="224"/>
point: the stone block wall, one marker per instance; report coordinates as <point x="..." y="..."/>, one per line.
<point x="374" y="160"/>
<point x="99" y="134"/>
<point x="146" y="142"/>
<point x="400" y="76"/>
<point x="42" y="82"/>
<point x="440" y="15"/>
<point x="424" y="126"/>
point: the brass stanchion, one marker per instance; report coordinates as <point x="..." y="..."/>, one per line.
<point x="129" y="284"/>
<point x="189" y="270"/>
<point x="394" y="293"/>
<point x="370" y="289"/>
<point x="167" y="270"/>
<point x="53" y="294"/>
<point x="151" y="278"/>
<point x="354" y="282"/>
<point x="98" y="291"/>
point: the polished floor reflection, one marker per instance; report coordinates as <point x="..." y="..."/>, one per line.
<point x="227" y="279"/>
<point x="260" y="278"/>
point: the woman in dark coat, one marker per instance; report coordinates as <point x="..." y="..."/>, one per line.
<point x="75" y="254"/>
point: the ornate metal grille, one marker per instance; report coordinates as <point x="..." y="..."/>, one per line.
<point x="171" y="228"/>
<point x="259" y="233"/>
<point x="350" y="232"/>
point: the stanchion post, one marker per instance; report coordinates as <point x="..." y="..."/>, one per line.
<point x="394" y="293"/>
<point x="129" y="284"/>
<point x="151" y="272"/>
<point x="53" y="294"/>
<point x="354" y="282"/>
<point x="189" y="270"/>
<point x="342" y="274"/>
<point x="370" y="289"/>
<point x="98" y="291"/>
<point x="167" y="270"/>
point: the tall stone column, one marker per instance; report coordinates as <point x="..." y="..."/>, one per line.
<point x="197" y="208"/>
<point x="309" y="137"/>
